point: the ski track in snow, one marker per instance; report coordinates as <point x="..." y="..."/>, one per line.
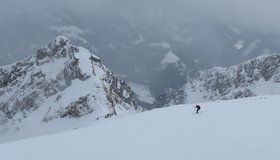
<point x="244" y="129"/>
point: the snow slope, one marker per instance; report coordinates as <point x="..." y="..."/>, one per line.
<point x="243" y="129"/>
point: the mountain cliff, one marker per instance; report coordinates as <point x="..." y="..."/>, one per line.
<point x="62" y="81"/>
<point x="259" y="76"/>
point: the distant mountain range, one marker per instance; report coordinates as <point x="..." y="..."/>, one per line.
<point x="156" y="51"/>
<point x="259" y="76"/>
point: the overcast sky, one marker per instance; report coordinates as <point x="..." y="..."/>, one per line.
<point x="255" y="13"/>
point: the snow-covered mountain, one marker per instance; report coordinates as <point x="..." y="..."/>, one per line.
<point x="62" y="81"/>
<point x="259" y="76"/>
<point x="224" y="130"/>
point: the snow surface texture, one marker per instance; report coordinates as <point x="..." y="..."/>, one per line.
<point x="259" y="76"/>
<point x="63" y="81"/>
<point x="244" y="129"/>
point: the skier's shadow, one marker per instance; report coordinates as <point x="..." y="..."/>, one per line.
<point x="194" y="113"/>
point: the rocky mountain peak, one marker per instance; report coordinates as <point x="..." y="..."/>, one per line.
<point x="60" y="47"/>
<point x="258" y="76"/>
<point x="61" y="81"/>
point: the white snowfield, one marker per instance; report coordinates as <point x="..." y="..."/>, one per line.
<point x="245" y="129"/>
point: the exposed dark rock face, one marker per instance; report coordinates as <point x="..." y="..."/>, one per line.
<point x="3" y="118"/>
<point x="9" y="74"/>
<point x="61" y="47"/>
<point x="119" y="88"/>
<point x="240" y="81"/>
<point x="172" y="98"/>
<point x="78" y="108"/>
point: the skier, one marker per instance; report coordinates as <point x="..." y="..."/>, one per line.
<point x="197" y="107"/>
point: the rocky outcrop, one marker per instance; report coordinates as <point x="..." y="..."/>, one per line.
<point x="173" y="97"/>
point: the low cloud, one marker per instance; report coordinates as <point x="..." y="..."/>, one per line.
<point x="261" y="14"/>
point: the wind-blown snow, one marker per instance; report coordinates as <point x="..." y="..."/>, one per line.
<point x="233" y="130"/>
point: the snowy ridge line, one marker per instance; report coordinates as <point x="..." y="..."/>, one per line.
<point x="258" y="76"/>
<point x="61" y="82"/>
